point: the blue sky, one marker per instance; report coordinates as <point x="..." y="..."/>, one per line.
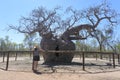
<point x="12" y="10"/>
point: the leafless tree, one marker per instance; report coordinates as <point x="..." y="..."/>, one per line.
<point x="102" y="14"/>
<point x="57" y="32"/>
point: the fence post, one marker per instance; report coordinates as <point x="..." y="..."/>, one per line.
<point x="118" y="58"/>
<point x="101" y="56"/>
<point x="83" y="55"/>
<point x="110" y="57"/>
<point x="113" y="60"/>
<point x="32" y="63"/>
<point x="7" y="61"/>
<point x="80" y="56"/>
<point x="16" y="56"/>
<point x="30" y="54"/>
<point x="3" y="56"/>
<point x="96" y="56"/>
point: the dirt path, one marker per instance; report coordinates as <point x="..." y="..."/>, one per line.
<point x="95" y="70"/>
<point x="12" y="75"/>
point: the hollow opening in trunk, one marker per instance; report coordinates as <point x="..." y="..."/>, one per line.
<point x="57" y="49"/>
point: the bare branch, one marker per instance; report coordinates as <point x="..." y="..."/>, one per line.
<point x="74" y="32"/>
<point x="97" y="14"/>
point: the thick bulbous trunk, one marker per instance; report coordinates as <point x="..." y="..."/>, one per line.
<point x="64" y="42"/>
<point x="57" y="45"/>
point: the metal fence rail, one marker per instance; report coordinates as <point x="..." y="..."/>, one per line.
<point x="83" y="53"/>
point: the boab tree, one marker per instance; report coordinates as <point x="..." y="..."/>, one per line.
<point x="57" y="32"/>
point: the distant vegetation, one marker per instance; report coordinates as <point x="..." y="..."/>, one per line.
<point x="93" y="46"/>
<point x="7" y="45"/>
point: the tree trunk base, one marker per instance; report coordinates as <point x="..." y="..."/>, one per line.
<point x="58" y="57"/>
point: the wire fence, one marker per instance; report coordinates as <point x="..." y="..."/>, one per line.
<point x="22" y="60"/>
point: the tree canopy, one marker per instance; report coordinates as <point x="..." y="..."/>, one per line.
<point x="97" y="21"/>
<point x="44" y="21"/>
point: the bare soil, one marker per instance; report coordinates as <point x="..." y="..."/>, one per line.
<point x="94" y="70"/>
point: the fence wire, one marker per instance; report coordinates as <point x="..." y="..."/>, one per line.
<point x="22" y="61"/>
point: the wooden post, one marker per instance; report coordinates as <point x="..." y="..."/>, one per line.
<point x="32" y="64"/>
<point x="101" y="56"/>
<point x="80" y="56"/>
<point x="118" y="58"/>
<point x="3" y="56"/>
<point x="110" y="57"/>
<point x="96" y="56"/>
<point x="7" y="61"/>
<point x="113" y="55"/>
<point x="83" y="55"/>
<point x="30" y="54"/>
<point x="16" y="56"/>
